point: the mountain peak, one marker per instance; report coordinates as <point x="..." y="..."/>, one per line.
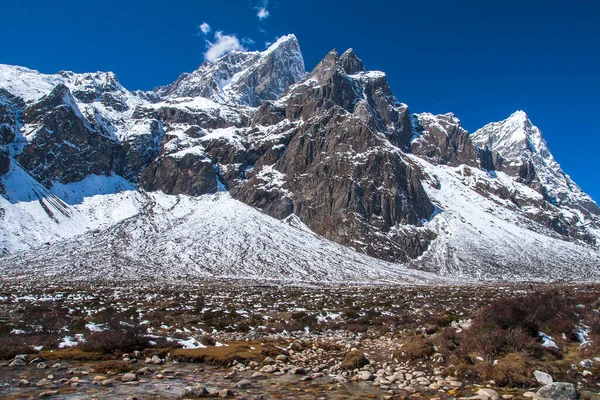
<point x="246" y="78"/>
<point x="521" y="144"/>
<point x="291" y="38"/>
<point x="519" y="115"/>
<point x="351" y="63"/>
<point x="513" y="138"/>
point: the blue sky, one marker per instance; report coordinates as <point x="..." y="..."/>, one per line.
<point x="481" y="60"/>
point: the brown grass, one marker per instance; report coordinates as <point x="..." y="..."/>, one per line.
<point x="419" y="348"/>
<point x="513" y="370"/>
<point x="73" y="353"/>
<point x="223" y="355"/>
<point x="113" y="366"/>
<point x="270" y="350"/>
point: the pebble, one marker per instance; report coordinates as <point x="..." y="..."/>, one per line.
<point x="488" y="394"/>
<point x="194" y="391"/>
<point x="48" y="393"/>
<point x="17" y="362"/>
<point x="129" y="377"/>
<point x="364" y="376"/>
<point x="268" y="369"/>
<point x="244" y="383"/>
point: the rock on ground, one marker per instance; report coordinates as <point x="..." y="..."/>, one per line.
<point x="558" y="391"/>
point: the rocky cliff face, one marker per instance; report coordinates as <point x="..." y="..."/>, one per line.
<point x="441" y="139"/>
<point x="338" y="168"/>
<point x="10" y="110"/>
<point x="62" y="145"/>
<point x="333" y="149"/>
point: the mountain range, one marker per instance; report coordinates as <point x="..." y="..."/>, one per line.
<point x="252" y="167"/>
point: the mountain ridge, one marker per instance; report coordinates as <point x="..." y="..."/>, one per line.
<point x="333" y="148"/>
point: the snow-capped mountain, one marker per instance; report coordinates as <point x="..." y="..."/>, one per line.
<point x="521" y="146"/>
<point x="329" y="178"/>
<point x="246" y="78"/>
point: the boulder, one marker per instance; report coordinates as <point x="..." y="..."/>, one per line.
<point x="364" y="376"/>
<point x="129" y="377"/>
<point x="488" y="394"/>
<point x="542" y="377"/>
<point x="244" y="383"/>
<point x="558" y="391"/>
<point x="194" y="391"/>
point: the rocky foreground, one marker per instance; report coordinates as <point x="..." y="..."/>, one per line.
<point x="271" y="379"/>
<point x="223" y="339"/>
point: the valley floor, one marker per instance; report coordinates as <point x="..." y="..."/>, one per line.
<point x="249" y="340"/>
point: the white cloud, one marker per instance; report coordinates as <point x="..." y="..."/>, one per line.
<point x="262" y="13"/>
<point x="205" y="28"/>
<point x="222" y="45"/>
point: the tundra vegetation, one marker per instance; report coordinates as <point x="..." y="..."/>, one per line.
<point x="279" y="340"/>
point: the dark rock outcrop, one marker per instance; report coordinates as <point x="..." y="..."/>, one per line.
<point x="489" y="160"/>
<point x="441" y="139"/>
<point x="138" y="151"/>
<point x="64" y="146"/>
<point x="191" y="174"/>
<point x="10" y="108"/>
<point x="351" y="63"/>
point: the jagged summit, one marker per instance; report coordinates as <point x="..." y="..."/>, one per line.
<point x="351" y="63"/>
<point x="245" y="78"/>
<point x="513" y="138"/>
<point x="525" y="155"/>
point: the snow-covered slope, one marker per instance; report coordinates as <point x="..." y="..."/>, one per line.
<point x="212" y="236"/>
<point x="488" y="237"/>
<point x="32" y="215"/>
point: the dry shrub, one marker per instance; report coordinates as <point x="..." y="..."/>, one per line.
<point x="270" y="350"/>
<point x="513" y="370"/>
<point x="73" y="353"/>
<point x="353" y="360"/>
<point x="207" y="340"/>
<point x="550" y="312"/>
<point x="122" y="335"/>
<point x="592" y="348"/>
<point x="112" y="366"/>
<point x="497" y="342"/>
<point x="223" y="356"/>
<point x="304" y="319"/>
<point x="513" y="325"/>
<point x="419" y="348"/>
<point x="12" y="346"/>
<point x="446" y="320"/>
<point x="327" y="346"/>
<point x="446" y="340"/>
